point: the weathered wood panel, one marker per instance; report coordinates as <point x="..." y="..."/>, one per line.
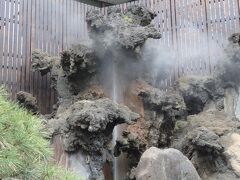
<point x="49" y="25"/>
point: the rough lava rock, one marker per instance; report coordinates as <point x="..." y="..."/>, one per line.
<point x="41" y="62"/>
<point x="94" y="118"/>
<point x="85" y="118"/>
<point x="87" y="126"/>
<point x="233" y="151"/>
<point x="129" y="29"/>
<point x="161" y="111"/>
<point x="28" y="101"/>
<point x="227" y="70"/>
<point x="79" y="61"/>
<point x="140" y="15"/>
<point x="165" y="164"/>
<point x="198" y="92"/>
<point x="204" y="138"/>
<point x="131" y="145"/>
<point x="168" y="108"/>
<point x="203" y="143"/>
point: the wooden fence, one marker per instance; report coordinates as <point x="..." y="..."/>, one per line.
<point x="49" y="25"/>
<point x="196" y="30"/>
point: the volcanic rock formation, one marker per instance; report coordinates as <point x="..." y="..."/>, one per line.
<point x="88" y="125"/>
<point x="200" y="93"/>
<point x="196" y="116"/>
<point x="128" y="30"/>
<point x="85" y="117"/>
<point x="28" y="101"/>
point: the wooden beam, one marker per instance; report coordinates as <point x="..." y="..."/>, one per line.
<point x="103" y="3"/>
<point x="94" y="3"/>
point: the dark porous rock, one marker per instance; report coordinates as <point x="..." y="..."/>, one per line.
<point x="27" y="101"/>
<point x="41" y="62"/>
<point x="128" y="30"/>
<point x="78" y="61"/>
<point x="167" y="108"/>
<point x="140" y="14"/>
<point x="198" y="92"/>
<point x="204" y="138"/>
<point x="92" y="93"/>
<point x="228" y="69"/>
<point x="170" y="101"/>
<point x="132" y="145"/>
<point x="204" y="149"/>
<point x="235" y="38"/>
<point x="165" y="164"/>
<point x="88" y="125"/>
<point x="79" y="69"/>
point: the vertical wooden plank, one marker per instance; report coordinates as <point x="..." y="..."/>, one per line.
<point x="47" y="29"/>
<point x="233" y="14"/>
<point x="174" y="34"/>
<point x="66" y="24"/>
<point x="205" y="35"/>
<point x="50" y="27"/>
<point x="78" y="21"/>
<point x="44" y="31"/>
<point x="238" y="14"/>
<point x="63" y="23"/>
<point x="10" y="51"/>
<point x="221" y="22"/>
<point x="81" y="19"/>
<point x="69" y="20"/>
<point x="197" y="61"/>
<point x="40" y="37"/>
<point x="210" y="22"/>
<point x="39" y="24"/>
<point x="20" y="44"/>
<point x="8" y="45"/>
<point x="171" y="23"/>
<point x="23" y="67"/>
<point x="44" y="88"/>
<point x="193" y="36"/>
<point x="37" y="77"/>
<point x="6" y="42"/>
<point x="229" y="14"/>
<point x="15" y="48"/>
<point x="59" y="15"/>
<point x="28" y="49"/>
<point x="35" y="46"/>
<point x="75" y="21"/>
<point x="180" y="29"/>
<point x="46" y="91"/>
<point x="55" y="28"/>
<point x="31" y="45"/>
<point x="2" y="27"/>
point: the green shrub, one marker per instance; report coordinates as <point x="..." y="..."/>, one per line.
<point x="24" y="152"/>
